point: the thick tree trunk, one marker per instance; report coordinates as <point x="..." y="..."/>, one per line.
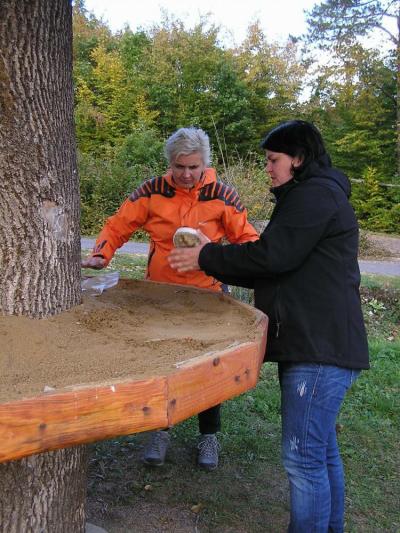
<point x="39" y="232"/>
<point x="44" y="493"/>
<point x="398" y="93"/>
<point x="39" y="188"/>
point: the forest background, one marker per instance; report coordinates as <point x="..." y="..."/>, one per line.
<point x="134" y="88"/>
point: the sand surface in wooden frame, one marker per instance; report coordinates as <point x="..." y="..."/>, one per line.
<point x="133" y="331"/>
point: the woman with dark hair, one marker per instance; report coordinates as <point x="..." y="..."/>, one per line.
<point x="305" y="276"/>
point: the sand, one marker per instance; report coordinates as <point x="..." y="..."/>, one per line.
<point x="135" y="330"/>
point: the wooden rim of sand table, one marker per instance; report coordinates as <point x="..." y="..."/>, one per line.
<point x="87" y="413"/>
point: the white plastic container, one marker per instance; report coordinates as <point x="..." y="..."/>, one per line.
<point x="186" y="237"/>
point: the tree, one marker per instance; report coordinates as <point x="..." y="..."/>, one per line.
<point x="338" y="23"/>
<point x="370" y="203"/>
<point x="190" y="79"/>
<point x="353" y="103"/>
<point x="274" y="76"/>
<point x="90" y="34"/>
<point x="39" y="232"/>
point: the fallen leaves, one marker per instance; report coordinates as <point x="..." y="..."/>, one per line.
<point x="197" y="508"/>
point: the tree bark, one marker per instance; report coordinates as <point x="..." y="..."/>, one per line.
<point x="39" y="233"/>
<point x="39" y="187"/>
<point x="398" y="93"/>
<point x="44" y="493"/>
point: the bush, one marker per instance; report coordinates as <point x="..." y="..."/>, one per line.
<point x="106" y="183"/>
<point x="376" y="205"/>
<point x="248" y="177"/>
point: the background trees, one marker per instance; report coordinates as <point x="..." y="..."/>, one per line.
<point x="338" y="24"/>
<point x="133" y="89"/>
<point x="356" y="99"/>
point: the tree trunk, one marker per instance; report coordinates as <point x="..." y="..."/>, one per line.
<point x="398" y="94"/>
<point x="44" y="493"/>
<point x="39" y="232"/>
<point x="39" y="188"/>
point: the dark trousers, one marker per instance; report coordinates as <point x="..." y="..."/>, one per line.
<point x="210" y="420"/>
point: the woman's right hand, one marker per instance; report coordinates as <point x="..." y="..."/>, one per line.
<point x="94" y="262"/>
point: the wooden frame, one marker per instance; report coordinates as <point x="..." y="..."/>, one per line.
<point x="77" y="415"/>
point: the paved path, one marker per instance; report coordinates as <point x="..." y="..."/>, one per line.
<point x="388" y="268"/>
<point x="128" y="248"/>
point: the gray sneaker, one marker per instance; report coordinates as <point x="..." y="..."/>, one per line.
<point x="208" y="447"/>
<point x="156" y="448"/>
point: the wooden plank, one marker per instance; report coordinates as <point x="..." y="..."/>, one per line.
<point x="211" y="379"/>
<point x="82" y="415"/>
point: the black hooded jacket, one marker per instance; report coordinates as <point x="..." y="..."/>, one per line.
<point x="304" y="272"/>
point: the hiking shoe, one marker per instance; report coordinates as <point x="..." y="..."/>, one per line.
<point x="208" y="447"/>
<point x="156" y="448"/>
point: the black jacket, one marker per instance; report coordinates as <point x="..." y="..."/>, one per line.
<point x="304" y="272"/>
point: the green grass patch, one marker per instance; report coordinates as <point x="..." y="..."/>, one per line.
<point x="380" y="298"/>
<point x="377" y="281"/>
<point x="128" y="265"/>
<point x="369" y="442"/>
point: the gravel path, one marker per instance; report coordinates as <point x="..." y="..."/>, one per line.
<point x="391" y="243"/>
<point x="388" y="268"/>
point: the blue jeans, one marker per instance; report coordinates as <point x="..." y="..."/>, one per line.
<point x="311" y="396"/>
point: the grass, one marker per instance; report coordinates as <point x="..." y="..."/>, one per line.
<point x="130" y="266"/>
<point x="380" y="298"/>
<point x="249" y="491"/>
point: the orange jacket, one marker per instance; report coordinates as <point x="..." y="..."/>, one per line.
<point x="160" y="208"/>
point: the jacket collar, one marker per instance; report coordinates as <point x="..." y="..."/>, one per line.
<point x="333" y="177"/>
<point x="279" y="191"/>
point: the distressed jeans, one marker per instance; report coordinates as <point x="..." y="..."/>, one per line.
<point x="311" y="396"/>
